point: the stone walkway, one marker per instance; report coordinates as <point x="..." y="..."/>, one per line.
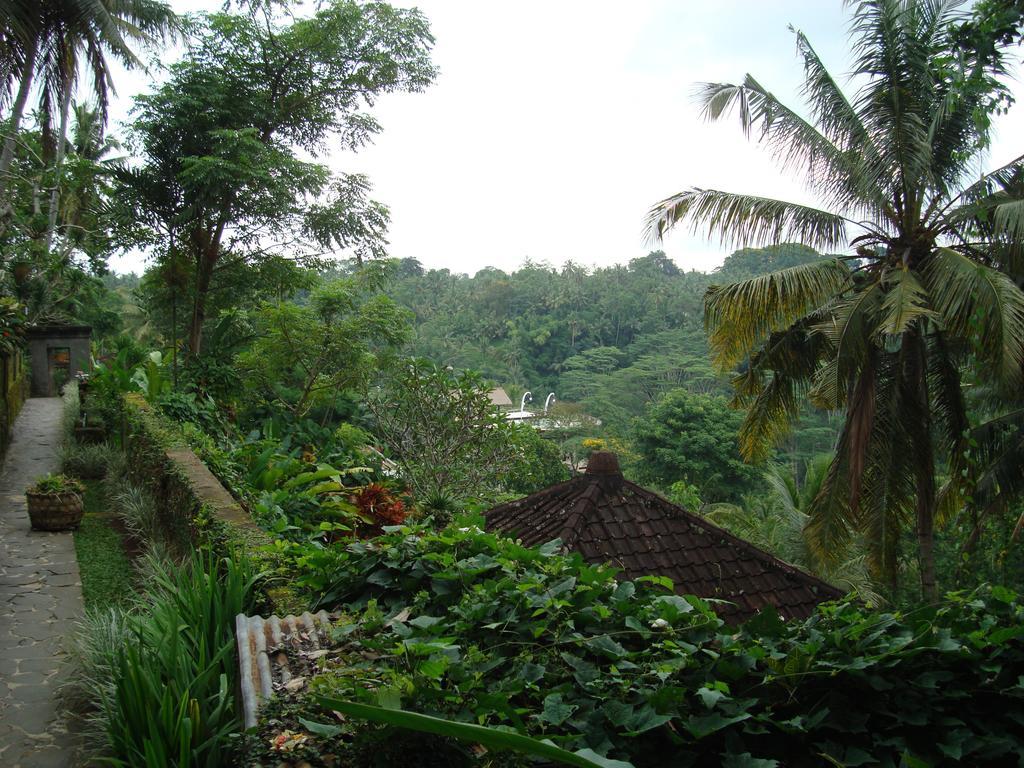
<point x="40" y="596"/>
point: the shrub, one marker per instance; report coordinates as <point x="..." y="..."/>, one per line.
<point x="57" y="484"/>
<point x="96" y="648"/>
<point x="163" y="675"/>
<point x="72" y="408"/>
<point x="88" y="462"/>
<point x="137" y="509"/>
<point x="474" y="627"/>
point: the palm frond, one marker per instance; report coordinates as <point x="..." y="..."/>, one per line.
<point x="947" y="395"/>
<point x="831" y="526"/>
<point x="848" y="328"/>
<point x="770" y="389"/>
<point x="886" y="502"/>
<point x="798" y="147"/>
<point x="746" y="220"/>
<point x="1000" y="455"/>
<point x="983" y="304"/>
<point x="740" y="316"/>
<point x="831" y="109"/>
<point x="1000" y="178"/>
<point x="893" y="42"/>
<point x="769" y="417"/>
<point x="905" y="303"/>
<point x="1008" y="219"/>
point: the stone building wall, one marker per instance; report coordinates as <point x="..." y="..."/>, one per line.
<point x="47" y="347"/>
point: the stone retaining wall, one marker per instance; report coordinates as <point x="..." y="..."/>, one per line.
<point x="194" y="506"/>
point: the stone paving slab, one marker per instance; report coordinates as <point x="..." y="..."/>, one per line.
<point x="40" y="596"/>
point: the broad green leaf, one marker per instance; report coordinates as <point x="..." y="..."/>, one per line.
<point x="708" y="724"/>
<point x="709" y="697"/>
<point x="556" y="711"/>
<point x="477" y="734"/>
<point x="604" y="644"/>
<point x="326" y="730"/>
<point x="746" y="760"/>
<point x="531" y="673"/>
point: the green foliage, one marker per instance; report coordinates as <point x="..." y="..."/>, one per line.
<point x="491" y="738"/>
<point x="692" y="437"/>
<point x="87" y="462"/>
<point x="685" y="495"/>
<point x="106" y="572"/>
<point x="169" y="699"/>
<point x="135" y="507"/>
<point x="536" y="463"/>
<point x="11" y="322"/>
<point x="71" y="404"/>
<point x="222" y="141"/>
<point x="608" y="341"/>
<point x="306" y="355"/>
<point x="778" y="523"/>
<point x="928" y="291"/>
<point x="113" y="374"/>
<point x="472" y="627"/>
<point x="441" y="430"/>
<point x="57" y="484"/>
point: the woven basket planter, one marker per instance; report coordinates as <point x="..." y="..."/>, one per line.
<point x="54" y="511"/>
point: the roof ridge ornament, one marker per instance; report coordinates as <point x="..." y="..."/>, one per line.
<point x="603" y="463"/>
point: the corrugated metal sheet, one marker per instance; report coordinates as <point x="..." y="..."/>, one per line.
<point x="277" y="654"/>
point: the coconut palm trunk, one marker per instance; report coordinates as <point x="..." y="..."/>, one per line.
<point x="17" y="112"/>
<point x="58" y="163"/>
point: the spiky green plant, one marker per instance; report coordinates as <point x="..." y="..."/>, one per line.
<point x="884" y="331"/>
<point x="157" y="682"/>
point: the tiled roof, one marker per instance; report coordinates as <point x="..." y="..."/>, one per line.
<point x="609" y="519"/>
<point x="499" y="397"/>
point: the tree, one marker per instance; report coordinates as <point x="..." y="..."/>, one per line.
<point x="441" y="429"/>
<point x="45" y="40"/>
<point x="222" y="176"/>
<point x="305" y="355"/>
<point x="56" y="285"/>
<point x="884" y="331"/>
<point x="536" y="464"/>
<point x="692" y="437"/>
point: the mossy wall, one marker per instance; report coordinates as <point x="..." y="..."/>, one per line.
<point x="194" y="507"/>
<point x="14" y="380"/>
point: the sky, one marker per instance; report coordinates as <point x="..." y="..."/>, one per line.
<point x="554" y="125"/>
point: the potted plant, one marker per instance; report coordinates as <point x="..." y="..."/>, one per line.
<point x="55" y="503"/>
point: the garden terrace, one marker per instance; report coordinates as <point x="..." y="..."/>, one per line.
<point x="194" y="506"/>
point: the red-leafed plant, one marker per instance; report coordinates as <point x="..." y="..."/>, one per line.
<point x="378" y="503"/>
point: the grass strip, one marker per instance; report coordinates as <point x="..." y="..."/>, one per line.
<point x="106" y="570"/>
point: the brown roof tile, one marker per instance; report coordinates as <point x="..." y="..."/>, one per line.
<point x="609" y="519"/>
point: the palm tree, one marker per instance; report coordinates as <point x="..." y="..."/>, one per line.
<point x="884" y="331"/>
<point x="782" y="527"/>
<point x="46" y="40"/>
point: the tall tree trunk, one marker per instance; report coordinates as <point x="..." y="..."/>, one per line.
<point x="65" y="109"/>
<point x="926" y="529"/>
<point x="17" y="111"/>
<point x="925" y="481"/>
<point x="204" y="275"/>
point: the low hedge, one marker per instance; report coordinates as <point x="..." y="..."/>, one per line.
<point x="194" y="507"/>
